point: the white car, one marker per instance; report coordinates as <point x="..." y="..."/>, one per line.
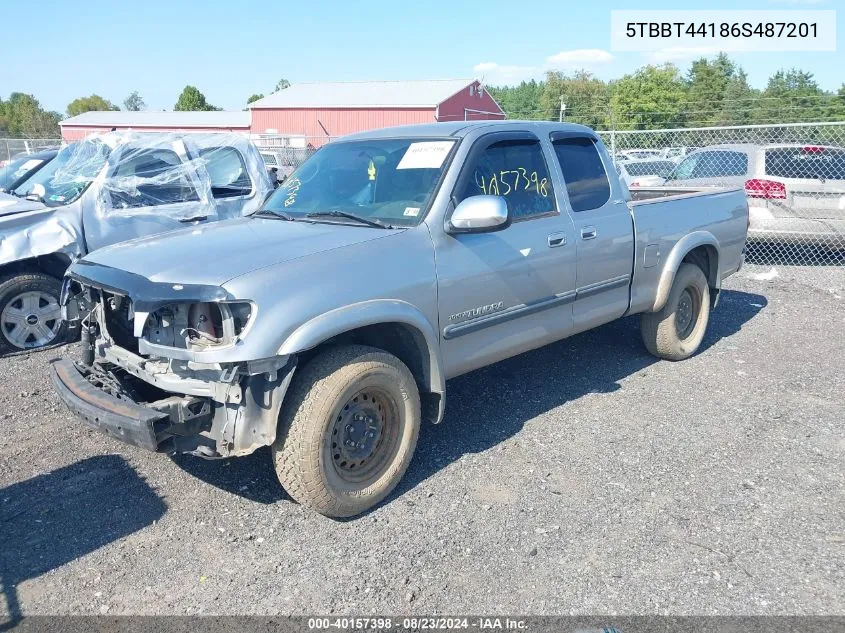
<point x="796" y="192"/>
<point x="677" y="154"/>
<point x="638" y="154"/>
<point x="645" y="173"/>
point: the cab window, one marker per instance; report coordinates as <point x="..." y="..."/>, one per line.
<point x="515" y="170"/>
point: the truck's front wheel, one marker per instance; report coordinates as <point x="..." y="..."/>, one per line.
<point x="676" y="331"/>
<point x="348" y="430"/>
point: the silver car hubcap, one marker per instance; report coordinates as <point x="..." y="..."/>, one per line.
<point x="31" y="319"/>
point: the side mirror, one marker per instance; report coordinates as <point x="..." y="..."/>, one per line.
<point x="480" y="214"/>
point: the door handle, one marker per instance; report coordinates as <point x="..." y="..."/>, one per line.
<point x="588" y="232"/>
<point x="196" y="218"/>
<point x="557" y="239"/>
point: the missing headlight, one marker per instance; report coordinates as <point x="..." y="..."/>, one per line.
<point x="197" y="325"/>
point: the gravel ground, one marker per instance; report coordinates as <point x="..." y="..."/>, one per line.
<point x="585" y="477"/>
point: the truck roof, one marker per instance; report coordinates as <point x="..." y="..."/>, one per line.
<point x="463" y="128"/>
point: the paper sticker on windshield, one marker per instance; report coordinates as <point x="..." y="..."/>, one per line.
<point x="412" y="211"/>
<point x="425" y="155"/>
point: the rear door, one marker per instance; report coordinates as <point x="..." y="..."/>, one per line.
<point x="508" y="291"/>
<point x="148" y="188"/>
<point x="604" y="231"/>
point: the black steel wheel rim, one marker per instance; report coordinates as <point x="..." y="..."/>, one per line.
<point x="686" y="314"/>
<point x="364" y="436"/>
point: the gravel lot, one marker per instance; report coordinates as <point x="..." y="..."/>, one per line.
<point x="581" y="478"/>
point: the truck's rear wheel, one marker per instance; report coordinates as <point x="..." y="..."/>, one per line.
<point x="348" y="429"/>
<point x="676" y="331"/>
<point x="30" y="316"/>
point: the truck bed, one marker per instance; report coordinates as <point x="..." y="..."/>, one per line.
<point x="664" y="217"/>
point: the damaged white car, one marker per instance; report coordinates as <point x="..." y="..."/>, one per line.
<point x="108" y="189"/>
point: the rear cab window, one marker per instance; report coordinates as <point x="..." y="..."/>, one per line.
<point x="515" y="170"/>
<point x="586" y="180"/>
<point x="806" y="163"/>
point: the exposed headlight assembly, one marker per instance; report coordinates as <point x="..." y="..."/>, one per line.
<point x="198" y="326"/>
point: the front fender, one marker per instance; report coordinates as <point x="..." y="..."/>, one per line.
<point x="373" y="312"/>
<point x="681" y="249"/>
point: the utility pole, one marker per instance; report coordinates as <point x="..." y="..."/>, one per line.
<point x="562" y="110"/>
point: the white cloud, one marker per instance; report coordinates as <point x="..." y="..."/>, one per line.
<point x="494" y="73"/>
<point x="579" y="58"/>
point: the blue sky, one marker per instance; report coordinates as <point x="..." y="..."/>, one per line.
<point x="61" y="50"/>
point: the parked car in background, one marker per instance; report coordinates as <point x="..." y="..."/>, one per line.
<point x="107" y="189"/>
<point x="22" y="166"/>
<point x="389" y="262"/>
<point x="638" y="154"/>
<point x="677" y="153"/>
<point x="645" y="173"/>
<point x="796" y="192"/>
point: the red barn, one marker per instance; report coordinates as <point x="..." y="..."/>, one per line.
<point x="321" y="111"/>
<point x="82" y="125"/>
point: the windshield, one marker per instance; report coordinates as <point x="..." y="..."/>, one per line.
<point x="16" y="169"/>
<point x="65" y="177"/>
<point x="387" y="180"/>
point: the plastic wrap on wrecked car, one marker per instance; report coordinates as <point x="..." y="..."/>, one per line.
<point x="131" y="176"/>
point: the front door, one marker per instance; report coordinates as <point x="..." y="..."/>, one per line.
<point x="147" y="189"/>
<point x="508" y="291"/>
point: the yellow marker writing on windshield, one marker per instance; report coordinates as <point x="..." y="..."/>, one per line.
<point x="371" y="170"/>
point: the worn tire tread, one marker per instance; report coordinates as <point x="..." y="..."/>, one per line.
<point x="306" y="401"/>
<point x="658" y="328"/>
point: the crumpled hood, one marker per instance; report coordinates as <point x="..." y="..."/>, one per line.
<point x="10" y="204"/>
<point x="215" y="253"/>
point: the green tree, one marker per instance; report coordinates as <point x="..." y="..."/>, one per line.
<point x="585" y="96"/>
<point x="23" y="117"/>
<point x="707" y="84"/>
<point x="793" y="96"/>
<point x="519" y="102"/>
<point x="192" y="100"/>
<point x="134" y="102"/>
<point x="738" y="101"/>
<point x="651" y="97"/>
<point x="254" y="98"/>
<point x="282" y="84"/>
<point x="89" y="104"/>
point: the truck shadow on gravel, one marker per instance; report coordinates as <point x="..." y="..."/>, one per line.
<point x="55" y="518"/>
<point x="490" y="405"/>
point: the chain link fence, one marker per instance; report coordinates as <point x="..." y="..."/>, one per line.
<point x="792" y="174"/>
<point x="12" y="147"/>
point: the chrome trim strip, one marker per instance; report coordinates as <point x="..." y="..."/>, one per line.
<point x="508" y="314"/>
<point x="601" y="286"/>
<point x="515" y="312"/>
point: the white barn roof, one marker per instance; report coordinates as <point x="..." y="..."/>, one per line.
<point x="365" y="94"/>
<point x="213" y="119"/>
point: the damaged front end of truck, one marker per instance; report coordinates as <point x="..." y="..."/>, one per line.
<point x="156" y="368"/>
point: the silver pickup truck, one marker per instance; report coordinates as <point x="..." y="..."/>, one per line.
<point x="327" y="324"/>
